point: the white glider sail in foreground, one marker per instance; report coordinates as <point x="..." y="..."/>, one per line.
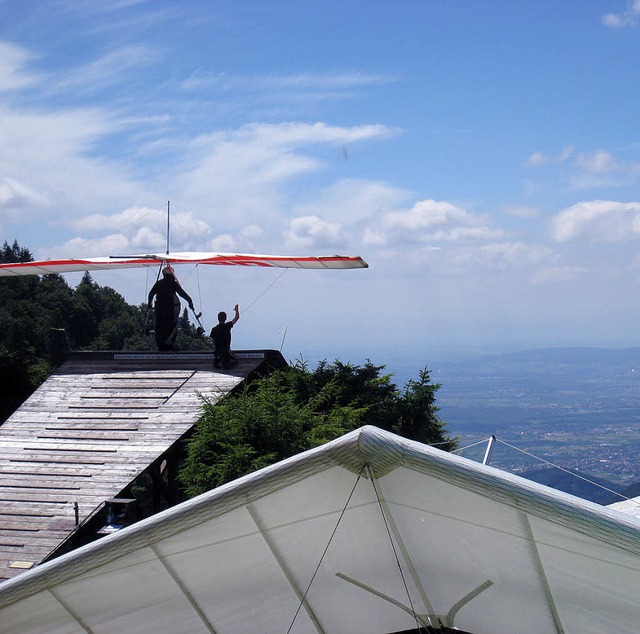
<point x="71" y="265"/>
<point x="368" y="534"/>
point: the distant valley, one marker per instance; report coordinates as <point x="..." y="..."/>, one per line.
<point x="578" y="408"/>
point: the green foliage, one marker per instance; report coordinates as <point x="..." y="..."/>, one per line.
<point x="295" y="409"/>
<point x="265" y="422"/>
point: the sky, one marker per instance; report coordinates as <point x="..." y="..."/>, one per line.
<point x="483" y="156"/>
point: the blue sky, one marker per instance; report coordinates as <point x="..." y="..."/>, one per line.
<point x="482" y="155"/>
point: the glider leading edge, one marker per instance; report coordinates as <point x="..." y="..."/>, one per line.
<point x="70" y="265"/>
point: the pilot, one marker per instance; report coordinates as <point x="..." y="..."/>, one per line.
<point x="166" y="291"/>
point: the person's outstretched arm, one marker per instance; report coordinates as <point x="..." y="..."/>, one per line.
<point x="236" y="316"/>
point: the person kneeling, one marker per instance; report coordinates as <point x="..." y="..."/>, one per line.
<point x="221" y="335"/>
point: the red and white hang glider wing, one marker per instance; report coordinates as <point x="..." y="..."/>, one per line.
<point x="221" y="259"/>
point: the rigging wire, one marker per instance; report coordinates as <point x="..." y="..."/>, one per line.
<point x="188" y="275"/>
<point x="551" y="464"/>
<point x="145" y="301"/>
<point x="265" y="291"/>
<point x="475" y="444"/>
<point x="577" y="475"/>
<point x="393" y="547"/>
<point x="283" y="338"/>
<point x="324" y="552"/>
<point x="146" y="284"/>
<point x="199" y="289"/>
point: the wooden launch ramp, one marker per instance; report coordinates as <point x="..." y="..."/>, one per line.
<point x="89" y="431"/>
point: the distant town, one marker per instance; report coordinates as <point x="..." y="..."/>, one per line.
<point x="577" y="408"/>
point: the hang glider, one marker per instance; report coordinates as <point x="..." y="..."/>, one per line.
<point x="370" y="533"/>
<point x="71" y="265"/>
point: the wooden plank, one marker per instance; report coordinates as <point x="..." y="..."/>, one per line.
<point x="49" y="471"/>
<point x="83" y="435"/>
<point x="60" y="426"/>
<point x="54" y="460"/>
<point x="8" y="483"/>
<point x="17" y="497"/>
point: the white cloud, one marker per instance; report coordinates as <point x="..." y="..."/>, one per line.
<point x="431" y="221"/>
<point x="629" y="17"/>
<point x="129" y="218"/>
<point x="224" y="243"/>
<point x="144" y="228"/>
<point x="312" y="232"/>
<point x="478" y="259"/>
<point x="52" y="162"/>
<point x="146" y="239"/>
<point x="112" y="19"/>
<point x="285" y="94"/>
<point x="592" y="169"/>
<point x="16" y="197"/>
<point x="428" y="215"/>
<point x="354" y="202"/>
<point x="251" y="233"/>
<point x="330" y="80"/>
<point x="240" y="176"/>
<point x="600" y="162"/>
<point x="13" y="73"/>
<point x="597" y="221"/>
<point x="112" y="244"/>
<point x="202" y="79"/>
<point x="510" y="255"/>
<point x="295" y="134"/>
<point x="247" y="240"/>
<point x="230" y="178"/>
<point x="108" y="70"/>
<point x="50" y="155"/>
<point x="538" y="159"/>
<point x="50" y="131"/>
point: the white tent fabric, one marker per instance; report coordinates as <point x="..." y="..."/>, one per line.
<point x="370" y="533"/>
